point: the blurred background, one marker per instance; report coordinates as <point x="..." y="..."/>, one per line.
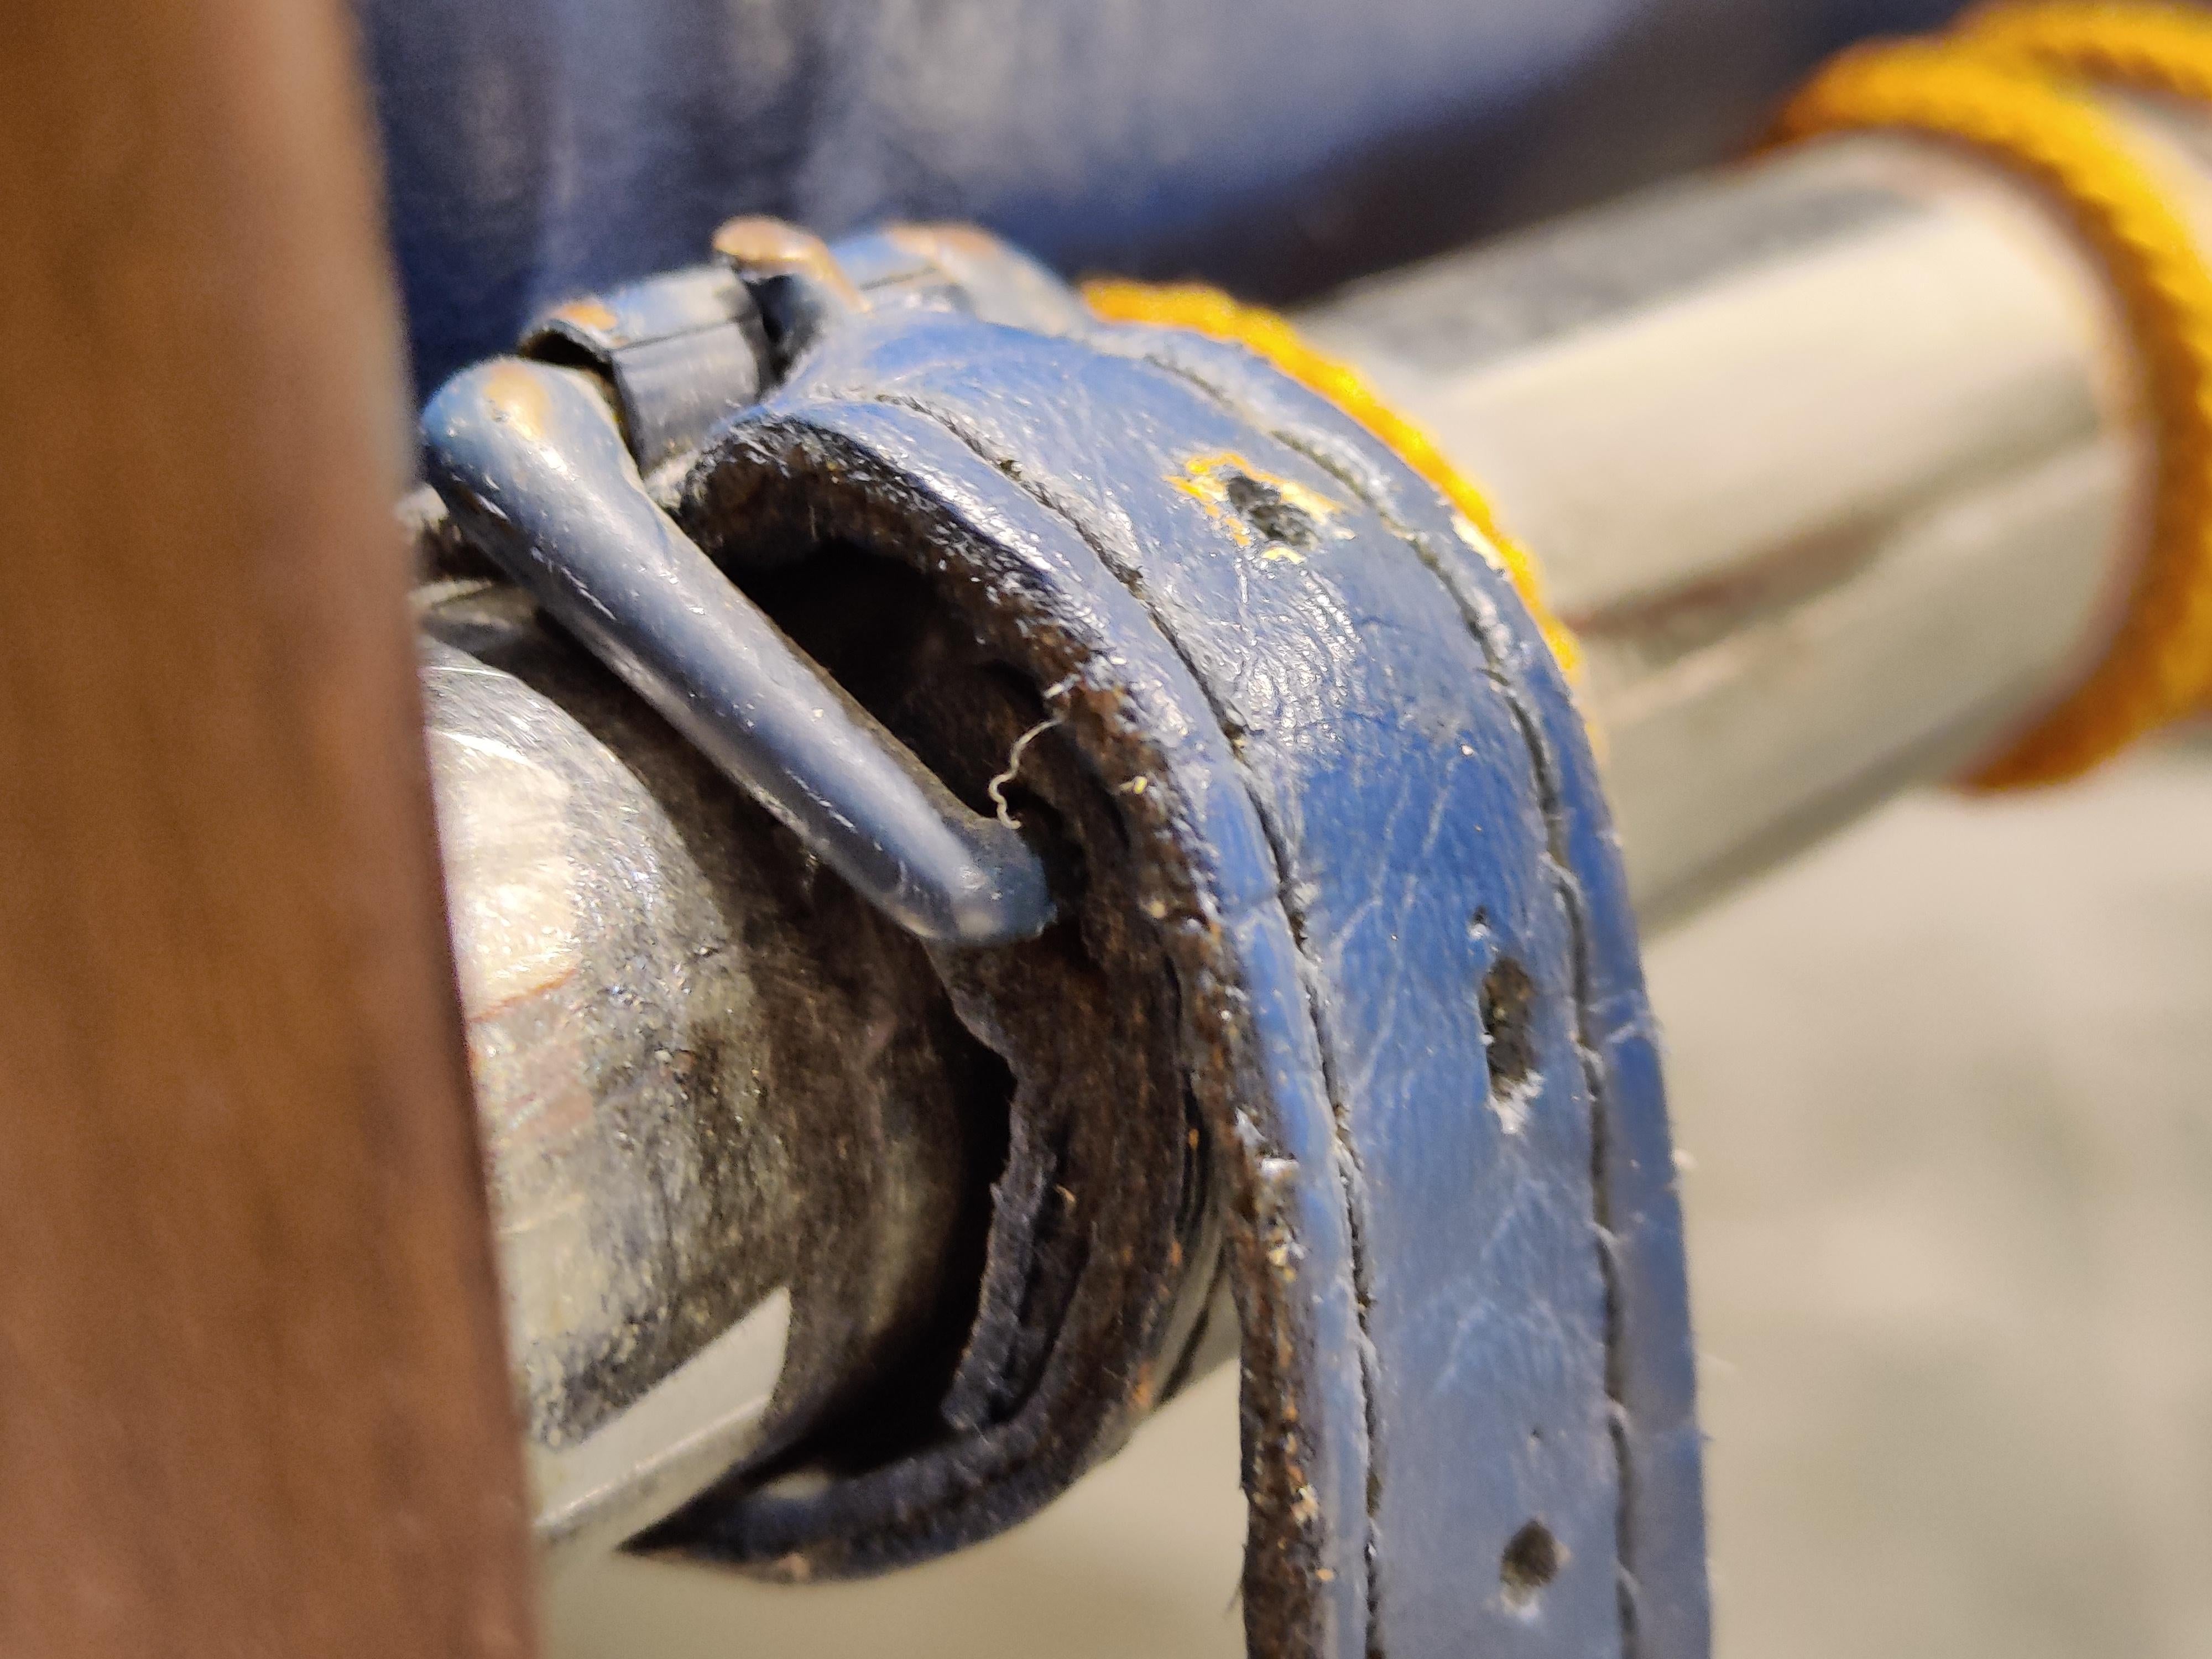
<point x="1943" y="1092"/>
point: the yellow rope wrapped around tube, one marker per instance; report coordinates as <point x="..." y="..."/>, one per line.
<point x="2004" y="83"/>
<point x="1987" y="87"/>
<point x="2158" y="48"/>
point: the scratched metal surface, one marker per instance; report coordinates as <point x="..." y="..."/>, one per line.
<point x="598" y="990"/>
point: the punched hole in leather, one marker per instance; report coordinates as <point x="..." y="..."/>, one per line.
<point x="1341" y="1007"/>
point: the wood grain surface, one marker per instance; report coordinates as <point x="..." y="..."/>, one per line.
<point x="252" y="1399"/>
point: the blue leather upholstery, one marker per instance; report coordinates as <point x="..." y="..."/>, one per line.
<point x="538" y="148"/>
<point x="1376" y="854"/>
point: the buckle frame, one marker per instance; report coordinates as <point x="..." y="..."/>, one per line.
<point x="541" y="464"/>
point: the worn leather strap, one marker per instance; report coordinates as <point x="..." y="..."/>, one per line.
<point x="1345" y="902"/>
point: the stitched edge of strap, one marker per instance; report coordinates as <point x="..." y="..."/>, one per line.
<point x="1559" y="870"/>
<point x="1304" y="1629"/>
<point x="1560" y="874"/>
<point x="2159" y="661"/>
<point x="1346" y="1174"/>
<point x="1210" y="311"/>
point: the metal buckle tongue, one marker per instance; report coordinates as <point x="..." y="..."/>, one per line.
<point x="530" y="459"/>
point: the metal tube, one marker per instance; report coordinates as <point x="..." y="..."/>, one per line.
<point x="688" y="1119"/>
<point x="1833" y="459"/>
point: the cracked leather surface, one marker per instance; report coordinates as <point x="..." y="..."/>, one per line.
<point x="1341" y="846"/>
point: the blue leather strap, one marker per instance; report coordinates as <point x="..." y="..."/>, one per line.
<point x="1373" y="864"/>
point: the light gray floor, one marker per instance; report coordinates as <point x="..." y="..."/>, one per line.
<point x="1945" y="1089"/>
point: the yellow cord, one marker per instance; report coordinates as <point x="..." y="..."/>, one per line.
<point x="2159" y="48"/>
<point x="1210" y="311"/>
<point x="1984" y="88"/>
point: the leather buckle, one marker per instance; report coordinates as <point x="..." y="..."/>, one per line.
<point x="541" y="460"/>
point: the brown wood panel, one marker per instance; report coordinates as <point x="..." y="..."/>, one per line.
<point x="252" y="1399"/>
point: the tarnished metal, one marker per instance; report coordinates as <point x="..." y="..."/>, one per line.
<point x="668" y="1446"/>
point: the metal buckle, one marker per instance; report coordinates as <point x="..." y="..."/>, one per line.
<point x="539" y="462"/>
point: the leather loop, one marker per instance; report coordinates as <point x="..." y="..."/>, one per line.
<point x="1344" y="903"/>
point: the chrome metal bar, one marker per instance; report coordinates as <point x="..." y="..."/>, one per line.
<point x="1834" y="460"/>
<point x="687" y="1123"/>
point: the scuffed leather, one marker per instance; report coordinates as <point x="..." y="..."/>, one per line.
<point x="1336" y="796"/>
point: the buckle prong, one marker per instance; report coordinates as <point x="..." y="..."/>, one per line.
<point x="531" y="460"/>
